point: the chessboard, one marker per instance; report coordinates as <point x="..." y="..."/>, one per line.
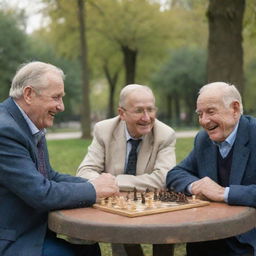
<point x="146" y="203"/>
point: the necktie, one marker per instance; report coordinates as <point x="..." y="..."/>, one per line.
<point x="41" y="157"/>
<point x="132" y="158"/>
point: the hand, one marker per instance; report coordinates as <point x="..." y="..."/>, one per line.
<point x="208" y="188"/>
<point x="105" y="185"/>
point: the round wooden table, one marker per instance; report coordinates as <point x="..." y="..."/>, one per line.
<point x="215" y="221"/>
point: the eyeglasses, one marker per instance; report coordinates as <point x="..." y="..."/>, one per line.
<point x="142" y="111"/>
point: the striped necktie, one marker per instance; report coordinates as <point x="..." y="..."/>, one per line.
<point x="132" y="158"/>
<point x="41" y="156"/>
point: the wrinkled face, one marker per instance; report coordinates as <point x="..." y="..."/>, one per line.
<point x="46" y="103"/>
<point x="139" y="112"/>
<point x="217" y="119"/>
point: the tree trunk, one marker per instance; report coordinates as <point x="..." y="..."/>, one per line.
<point x="85" y="107"/>
<point x="225" y="52"/>
<point x="130" y="57"/>
<point x="112" y="81"/>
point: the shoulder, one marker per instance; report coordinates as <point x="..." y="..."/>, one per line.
<point x="248" y="120"/>
<point x="162" y="131"/>
<point x="109" y="124"/>
<point x="107" y="128"/>
<point x="9" y="128"/>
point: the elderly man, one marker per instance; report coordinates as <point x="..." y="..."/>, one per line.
<point x="134" y="146"/>
<point x="222" y="165"/>
<point x="29" y="187"/>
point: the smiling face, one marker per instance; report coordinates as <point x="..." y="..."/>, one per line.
<point x="217" y="119"/>
<point x="139" y="112"/>
<point x="42" y="105"/>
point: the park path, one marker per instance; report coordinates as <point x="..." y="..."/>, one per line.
<point x="76" y="135"/>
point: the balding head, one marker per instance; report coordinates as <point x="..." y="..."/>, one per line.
<point x="130" y="89"/>
<point x="227" y="92"/>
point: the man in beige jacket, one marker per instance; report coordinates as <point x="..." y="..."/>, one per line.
<point x="111" y="146"/>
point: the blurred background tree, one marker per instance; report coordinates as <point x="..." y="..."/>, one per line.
<point x="171" y="45"/>
<point x="181" y="85"/>
<point x="13" y="48"/>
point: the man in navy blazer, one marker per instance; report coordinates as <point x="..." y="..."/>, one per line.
<point x="29" y="187"/>
<point x="222" y="164"/>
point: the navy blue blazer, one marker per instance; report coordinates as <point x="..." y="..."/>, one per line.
<point x="26" y="196"/>
<point x="202" y="162"/>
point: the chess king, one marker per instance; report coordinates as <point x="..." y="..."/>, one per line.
<point x="134" y="146"/>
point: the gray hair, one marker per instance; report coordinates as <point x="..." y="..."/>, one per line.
<point x="229" y="93"/>
<point x="33" y="74"/>
<point x="128" y="89"/>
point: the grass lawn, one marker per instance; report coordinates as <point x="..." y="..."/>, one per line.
<point x="66" y="155"/>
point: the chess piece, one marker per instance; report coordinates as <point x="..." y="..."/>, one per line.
<point x="142" y="198"/>
<point x="102" y="201"/>
<point x="150" y="202"/>
<point x="135" y="198"/>
<point x="109" y="202"/>
<point x="155" y="194"/>
<point x="128" y="195"/>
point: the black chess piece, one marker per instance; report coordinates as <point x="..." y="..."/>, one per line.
<point x="135" y="197"/>
<point x="143" y="201"/>
<point x="155" y="194"/>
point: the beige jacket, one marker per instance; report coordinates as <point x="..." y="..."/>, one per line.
<point x="107" y="153"/>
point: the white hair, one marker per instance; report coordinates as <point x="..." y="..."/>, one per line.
<point x="128" y="89"/>
<point x="229" y="93"/>
<point x="33" y="74"/>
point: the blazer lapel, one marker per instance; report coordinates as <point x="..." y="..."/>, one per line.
<point x="144" y="153"/>
<point x="240" y="153"/>
<point x="18" y="117"/>
<point x="118" y="148"/>
<point x="209" y="161"/>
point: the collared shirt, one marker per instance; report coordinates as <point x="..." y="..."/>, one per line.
<point x="37" y="134"/>
<point x="128" y="145"/>
<point x="226" y="145"/>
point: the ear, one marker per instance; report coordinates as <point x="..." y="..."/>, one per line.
<point x="236" y="108"/>
<point x="28" y="94"/>
<point x="121" y="112"/>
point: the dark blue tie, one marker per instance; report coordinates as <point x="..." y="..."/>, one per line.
<point x="132" y="158"/>
<point x="41" y="157"/>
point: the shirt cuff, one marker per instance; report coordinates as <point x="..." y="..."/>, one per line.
<point x="226" y="192"/>
<point x="189" y="188"/>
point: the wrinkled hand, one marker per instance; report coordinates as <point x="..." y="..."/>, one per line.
<point x="207" y="188"/>
<point x="105" y="185"/>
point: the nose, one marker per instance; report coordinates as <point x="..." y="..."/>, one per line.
<point x="61" y="106"/>
<point x="203" y="119"/>
<point x="145" y="115"/>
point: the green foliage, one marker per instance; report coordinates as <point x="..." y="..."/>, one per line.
<point x="181" y="77"/>
<point x="184" y="72"/>
<point x="183" y="147"/>
<point x="250" y="89"/>
<point x="13" y="49"/>
<point x="42" y="50"/>
<point x="66" y="155"/>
